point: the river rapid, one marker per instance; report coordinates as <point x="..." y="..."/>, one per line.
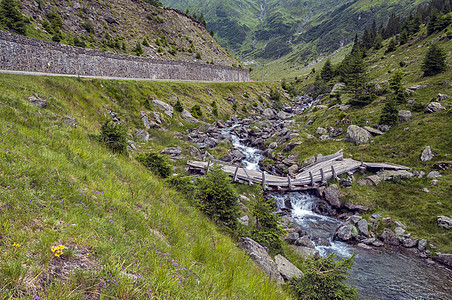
<point x="379" y="273"/>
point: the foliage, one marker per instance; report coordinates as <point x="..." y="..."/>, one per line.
<point x="434" y="61"/>
<point x="183" y="184"/>
<point x="392" y="46"/>
<point x="217" y="198"/>
<point x="319" y="88"/>
<point x="267" y="229"/>
<point x="196" y="111"/>
<point x="214" y="108"/>
<point x="327" y="72"/>
<point x="353" y="72"/>
<point x="114" y="136"/>
<point x="198" y="55"/>
<point x="156" y="3"/>
<point x="275" y="95"/>
<point x="389" y="114"/>
<point x="156" y="163"/>
<point x="88" y="26"/>
<point x="138" y="49"/>
<point x="11" y="17"/>
<point x="145" y="42"/>
<point x="178" y="106"/>
<point x="325" y="278"/>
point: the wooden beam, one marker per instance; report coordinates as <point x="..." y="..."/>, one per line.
<point x="334" y="172"/>
<point x="290" y="183"/>
<point x="263" y="181"/>
<point x="234" y="179"/>
<point x="208" y="166"/>
<point x="312" y="178"/>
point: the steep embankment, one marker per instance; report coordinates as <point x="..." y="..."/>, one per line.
<point x="127" y="234"/>
<point x="120" y="26"/>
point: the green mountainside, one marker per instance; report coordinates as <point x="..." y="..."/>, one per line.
<point x="126" y="26"/>
<point x="296" y="30"/>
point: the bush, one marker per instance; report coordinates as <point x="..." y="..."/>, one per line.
<point x="145" y="42"/>
<point x="267" y="229"/>
<point x="114" y="136"/>
<point x="198" y="55"/>
<point x="88" y="26"/>
<point x="434" y="61"/>
<point x="138" y="49"/>
<point x="183" y="184"/>
<point x="178" y="106"/>
<point x="324" y="278"/>
<point x="217" y="198"/>
<point x="214" y="108"/>
<point x="156" y="163"/>
<point x="11" y="17"/>
<point x="389" y="114"/>
<point x="196" y="111"/>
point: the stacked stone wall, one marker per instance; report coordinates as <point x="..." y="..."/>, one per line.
<point x="19" y="53"/>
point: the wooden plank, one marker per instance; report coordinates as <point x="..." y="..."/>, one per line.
<point x="234" y="179"/>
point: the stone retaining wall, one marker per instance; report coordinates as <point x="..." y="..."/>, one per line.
<point x="19" y="53"/>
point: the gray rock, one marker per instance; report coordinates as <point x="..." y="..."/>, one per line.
<point x="368" y="241"/>
<point x="321" y="131"/>
<point x="399" y="231"/>
<point x="305" y="252"/>
<point x="173" y="151"/>
<point x="400" y="224"/>
<point x="304" y="241"/>
<point x="157" y="117"/>
<point x="434" y="107"/>
<point x="410" y="242"/>
<point x="422" y="244"/>
<point x="261" y="257"/>
<point x="273" y="145"/>
<point x="390" y="175"/>
<point x="445" y="259"/>
<point x="337" y="88"/>
<point x="434" y="174"/>
<point x="344" y="107"/>
<point x="287" y="269"/>
<point x="373" y="131"/>
<point x="244" y="220"/>
<point x="141" y="134"/>
<point x="404" y="115"/>
<point x="363" y="227"/>
<point x="39" y="103"/>
<point x="292" y="169"/>
<point x="389" y="237"/>
<point x="284" y="116"/>
<point x="377" y="243"/>
<point x="334" y="132"/>
<point x="237" y="155"/>
<point x="144" y="118"/>
<point x="364" y="246"/>
<point x="288" y="222"/>
<point x="357" y="135"/>
<point x="268" y="113"/>
<point x="427" y="154"/>
<point x="332" y="195"/>
<point x="188" y="117"/>
<point x="70" y="121"/>
<point x="344" y="232"/>
<point x="354" y="219"/>
<point x="290" y="146"/>
<point x="167" y="109"/>
<point x="324" y="137"/>
<point x="444" y="222"/>
<point x="441" y="97"/>
<point x="356" y="207"/>
<point x="292" y="237"/>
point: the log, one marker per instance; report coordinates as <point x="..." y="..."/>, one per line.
<point x="234" y="179"/>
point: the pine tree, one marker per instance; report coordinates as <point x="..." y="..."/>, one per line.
<point x="404" y="37"/>
<point x="434" y="61"/>
<point x="11" y="17"/>
<point x="389" y="114"/>
<point x="367" y="39"/>
<point x="327" y="71"/>
<point x="378" y="43"/>
<point x="373" y="31"/>
<point x="392" y="46"/>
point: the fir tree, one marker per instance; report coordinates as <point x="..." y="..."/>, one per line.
<point x="434" y="61"/>
<point x="327" y="71"/>
<point x="367" y="39"/>
<point x="11" y="17"/>
<point x="389" y="114"/>
<point x="378" y="43"/>
<point x="392" y="46"/>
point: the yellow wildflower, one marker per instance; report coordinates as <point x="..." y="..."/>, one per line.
<point x="16" y="245"/>
<point x="58" y="250"/>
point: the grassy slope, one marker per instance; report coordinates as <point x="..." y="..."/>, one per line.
<point x="403" y="144"/>
<point x="59" y="186"/>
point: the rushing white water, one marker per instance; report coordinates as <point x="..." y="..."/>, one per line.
<point x="378" y="273"/>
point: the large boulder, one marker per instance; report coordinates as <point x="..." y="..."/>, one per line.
<point x="391" y="174"/>
<point x="188" y="117"/>
<point x="445" y="259"/>
<point x="434" y="107"/>
<point x="444" y="222"/>
<point x="167" y="109"/>
<point x="287" y="269"/>
<point x="141" y="134"/>
<point x="427" y="154"/>
<point x="410" y="242"/>
<point x="268" y="113"/>
<point x="172" y="151"/>
<point x="404" y="115"/>
<point x="284" y="116"/>
<point x="344" y="232"/>
<point x="363" y="227"/>
<point x="333" y="196"/>
<point x="304" y="241"/>
<point x="261" y="257"/>
<point x="321" y="131"/>
<point x="389" y="237"/>
<point x="357" y="135"/>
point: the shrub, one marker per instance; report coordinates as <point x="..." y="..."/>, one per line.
<point x="11" y="17"/>
<point x="324" y="278"/>
<point x="217" y="198"/>
<point x="261" y="99"/>
<point x="88" y="26"/>
<point x="267" y="229"/>
<point x="114" y="136"/>
<point x="145" y="42"/>
<point x="275" y="95"/>
<point x="244" y="109"/>
<point x="196" y="111"/>
<point x="138" y="49"/>
<point x="156" y="163"/>
<point x="178" y="106"/>
<point x="434" y="61"/>
<point x="198" y="55"/>
<point x="389" y="114"/>
<point x="234" y="106"/>
<point x="214" y="108"/>
<point x="183" y="184"/>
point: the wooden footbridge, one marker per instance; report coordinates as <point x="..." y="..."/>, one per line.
<point x="310" y="177"/>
